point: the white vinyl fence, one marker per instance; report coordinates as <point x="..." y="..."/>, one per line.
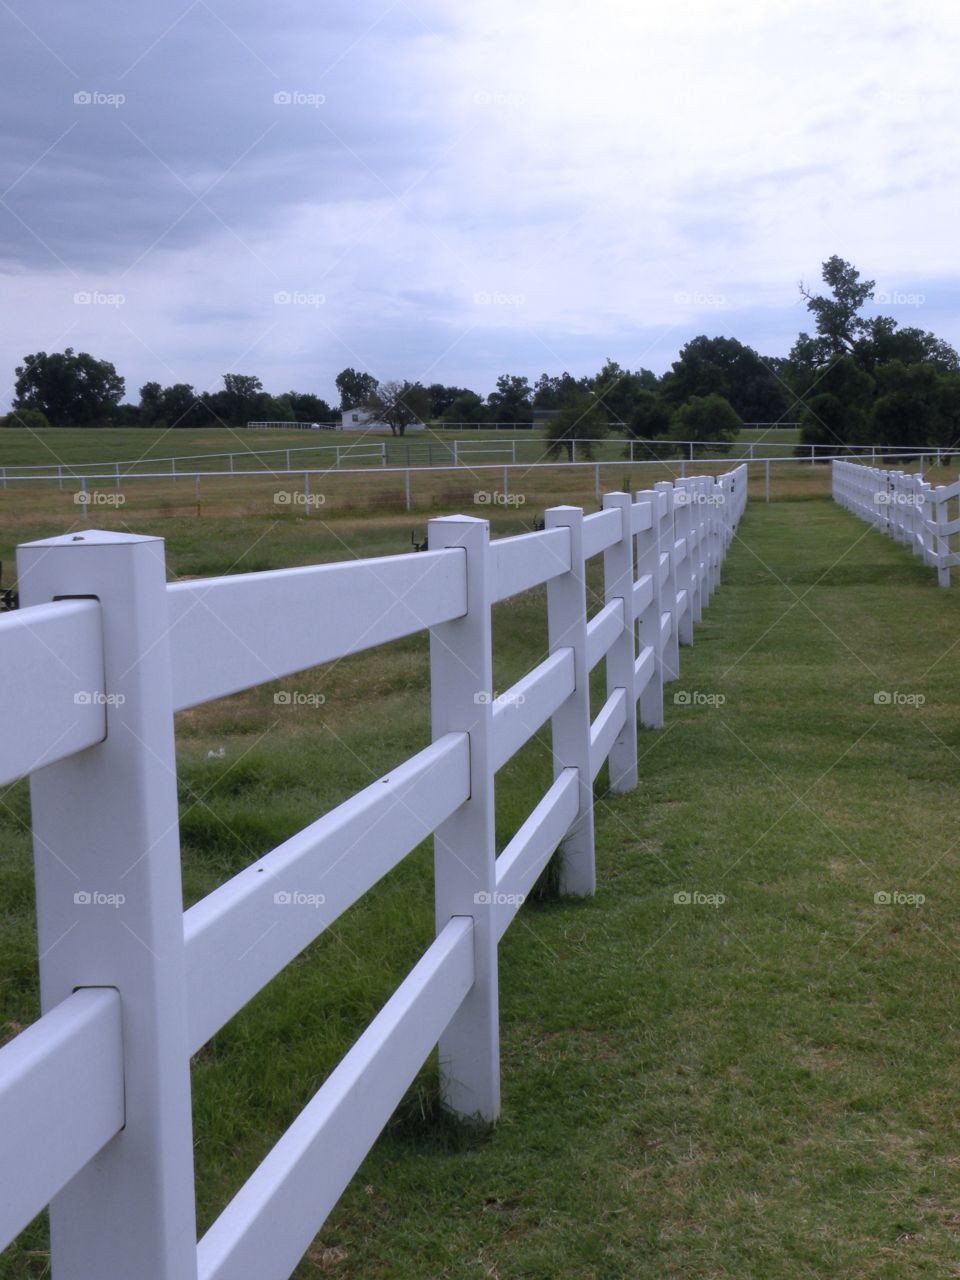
<point x="905" y="507"/>
<point x="95" y="1103"/>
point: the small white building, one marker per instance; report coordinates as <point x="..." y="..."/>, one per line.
<point x="360" y="419"/>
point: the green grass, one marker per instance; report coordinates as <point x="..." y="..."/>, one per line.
<point x="761" y="1089"/>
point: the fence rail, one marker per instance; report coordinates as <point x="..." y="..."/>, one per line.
<point x="905" y="507"/>
<point x="95" y="1108"/>
<point x="417" y="453"/>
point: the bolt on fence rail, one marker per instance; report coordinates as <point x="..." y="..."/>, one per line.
<point x="95" y="1114"/>
<point x="905" y="507"/>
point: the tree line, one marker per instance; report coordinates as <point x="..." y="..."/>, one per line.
<point x="856" y="380"/>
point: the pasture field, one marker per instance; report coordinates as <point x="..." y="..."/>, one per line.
<point x="760" y="1088"/>
<point x="143" y="449"/>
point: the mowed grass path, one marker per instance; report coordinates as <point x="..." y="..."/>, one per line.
<point x="763" y="1088"/>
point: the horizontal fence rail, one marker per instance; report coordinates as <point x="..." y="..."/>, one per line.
<point x="906" y="507"/>
<point x="95" y="1105"/>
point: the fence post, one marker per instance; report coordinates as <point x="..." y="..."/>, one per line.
<point x="106" y="823"/>
<point x="648" y="562"/>
<point x="618" y="580"/>
<point x="684" y="496"/>
<point x="465" y="873"/>
<point x="567" y="629"/>
<point x="668" y="588"/>
<point x="406" y="488"/>
<point x="766" y="481"/>
<point x="943" y="545"/>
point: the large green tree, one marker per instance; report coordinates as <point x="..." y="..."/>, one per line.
<point x="709" y="418"/>
<point x="355" y="388"/>
<point x="575" y="428"/>
<point x="512" y="400"/>
<point x="865" y="380"/>
<point x="618" y="389"/>
<point x="243" y="395"/>
<point x="72" y="389"/>
<point x="398" y="404"/>
<point x="726" y="367"/>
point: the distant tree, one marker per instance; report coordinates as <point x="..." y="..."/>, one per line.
<point x="468" y="407"/>
<point x="728" y="368"/>
<point x="126" y="415"/>
<point x="242" y="393"/>
<point x="306" y="407"/>
<point x="180" y="406"/>
<point x="882" y="341"/>
<point x="579" y="420"/>
<point x="709" y="418"/>
<point x="650" y="418"/>
<point x="399" y="403"/>
<point x="839" y="324"/>
<point x="26" y="419"/>
<point x="355" y="388"/>
<point x="553" y="392"/>
<point x="150" y="394"/>
<point x="916" y="403"/>
<point x="512" y="400"/>
<point x="618" y="389"/>
<point x="441" y="398"/>
<point x="72" y="389"/>
<point x="836" y="407"/>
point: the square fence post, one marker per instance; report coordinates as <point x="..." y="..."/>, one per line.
<point x="943" y="544"/>
<point x="649" y="620"/>
<point x="618" y="580"/>
<point x="110" y="912"/>
<point x="461" y="700"/>
<point x="687" y="512"/>
<point x="698" y="550"/>
<point x="567" y="629"/>
<point x="668" y="587"/>
<point x="714" y="496"/>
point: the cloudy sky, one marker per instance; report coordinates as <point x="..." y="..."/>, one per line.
<point x="447" y="191"/>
